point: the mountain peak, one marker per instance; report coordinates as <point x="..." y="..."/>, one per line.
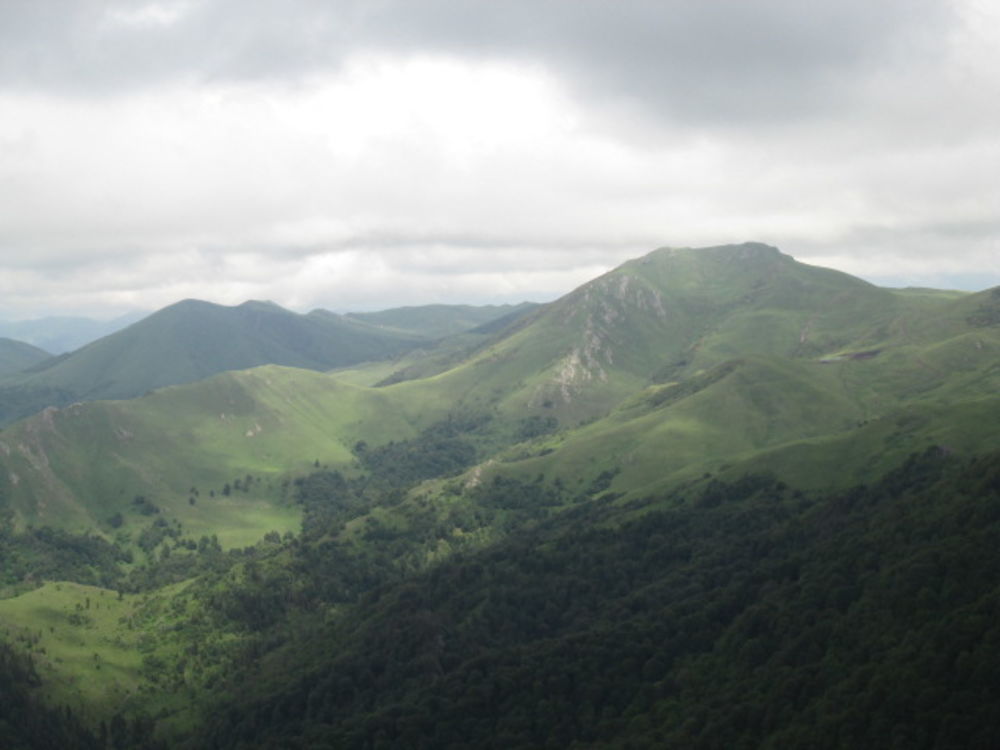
<point x="743" y="251"/>
<point x="260" y="304"/>
<point x="187" y="304"/>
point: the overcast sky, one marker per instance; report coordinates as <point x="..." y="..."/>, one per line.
<point x="362" y="154"/>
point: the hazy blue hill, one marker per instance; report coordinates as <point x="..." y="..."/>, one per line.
<point x="191" y="340"/>
<point x="19" y="355"/>
<point x="60" y="334"/>
<point x="437" y="321"/>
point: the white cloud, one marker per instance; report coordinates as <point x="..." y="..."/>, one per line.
<point x="145" y="15"/>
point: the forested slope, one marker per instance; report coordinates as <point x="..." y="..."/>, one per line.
<point x="747" y="615"/>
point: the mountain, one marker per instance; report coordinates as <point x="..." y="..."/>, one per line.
<point x="677" y="364"/>
<point x="192" y="340"/>
<point x="18" y="355"/>
<point x="675" y="314"/>
<point x="713" y="483"/>
<point x="685" y="361"/>
<point x="64" y="334"/>
<point x="672" y="313"/>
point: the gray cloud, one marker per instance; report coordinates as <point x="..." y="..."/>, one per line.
<point x="683" y="60"/>
<point x="701" y="61"/>
<point x="369" y="152"/>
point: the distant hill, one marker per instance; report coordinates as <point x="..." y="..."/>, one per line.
<point x="192" y="340"/>
<point x="18" y="355"/>
<point x="59" y="335"/>
<point x="437" y="321"/>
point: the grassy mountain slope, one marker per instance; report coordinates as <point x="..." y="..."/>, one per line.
<point x="688" y="360"/>
<point x="79" y="466"/>
<point x="26" y="721"/>
<point x="701" y="358"/>
<point x="18" y="355"/>
<point x="668" y="316"/>
<point x="813" y="423"/>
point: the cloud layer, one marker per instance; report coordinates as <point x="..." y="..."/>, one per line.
<point x="367" y="154"/>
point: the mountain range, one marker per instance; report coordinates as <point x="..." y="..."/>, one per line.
<point x="192" y="339"/>
<point x="676" y="364"/>
<point x="319" y="500"/>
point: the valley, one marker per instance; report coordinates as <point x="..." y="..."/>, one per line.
<point x="713" y="498"/>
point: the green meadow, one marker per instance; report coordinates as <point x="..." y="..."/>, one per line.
<point x="79" y="636"/>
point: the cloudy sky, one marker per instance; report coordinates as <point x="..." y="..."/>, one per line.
<point x="361" y="154"/>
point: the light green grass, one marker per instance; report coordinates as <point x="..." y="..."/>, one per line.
<point x="368" y="373"/>
<point x="77" y="467"/>
<point x="78" y="636"/>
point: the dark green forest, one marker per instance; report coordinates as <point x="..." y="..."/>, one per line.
<point x="746" y="615"/>
<point x="26" y="723"/>
<point x="726" y="615"/>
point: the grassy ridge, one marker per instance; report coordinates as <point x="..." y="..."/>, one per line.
<point x="78" y="466"/>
